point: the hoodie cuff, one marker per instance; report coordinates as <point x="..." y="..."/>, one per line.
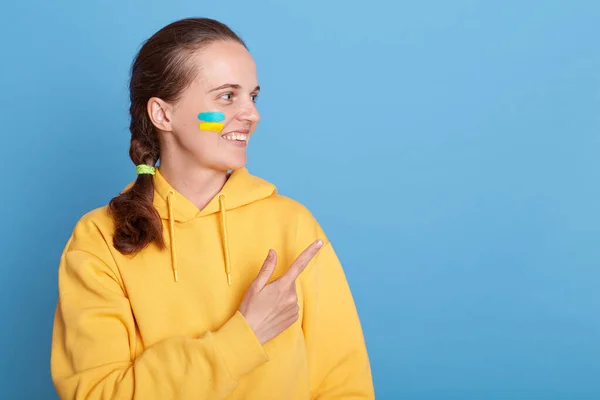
<point x="239" y="346"/>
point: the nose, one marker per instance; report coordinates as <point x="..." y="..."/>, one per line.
<point x="249" y="113"/>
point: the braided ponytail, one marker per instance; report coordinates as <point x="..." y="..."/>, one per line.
<point x="137" y="223"/>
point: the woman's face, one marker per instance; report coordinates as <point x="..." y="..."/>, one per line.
<point x="226" y="87"/>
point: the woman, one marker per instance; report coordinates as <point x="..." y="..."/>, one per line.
<point x="197" y="282"/>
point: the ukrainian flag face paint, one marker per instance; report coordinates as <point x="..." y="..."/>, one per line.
<point x="211" y="121"/>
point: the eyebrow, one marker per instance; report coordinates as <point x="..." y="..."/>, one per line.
<point x="231" y="86"/>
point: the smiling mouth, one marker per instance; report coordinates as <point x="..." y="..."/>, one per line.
<point x="236" y="136"/>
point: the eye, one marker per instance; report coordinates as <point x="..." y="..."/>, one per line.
<point x="226" y="96"/>
<point x="254" y="98"/>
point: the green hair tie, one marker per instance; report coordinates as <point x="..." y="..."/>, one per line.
<point x="145" y="169"/>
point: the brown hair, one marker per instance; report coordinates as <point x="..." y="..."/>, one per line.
<point x="160" y="69"/>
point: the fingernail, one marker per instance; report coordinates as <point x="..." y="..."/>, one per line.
<point x="319" y="243"/>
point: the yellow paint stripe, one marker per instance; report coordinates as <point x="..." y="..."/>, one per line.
<point x="211" y="126"/>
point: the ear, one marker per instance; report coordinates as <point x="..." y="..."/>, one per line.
<point x="159" y="112"/>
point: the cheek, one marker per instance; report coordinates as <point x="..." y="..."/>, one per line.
<point x="191" y="137"/>
<point x="202" y="144"/>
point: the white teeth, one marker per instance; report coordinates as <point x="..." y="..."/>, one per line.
<point x="236" y="136"/>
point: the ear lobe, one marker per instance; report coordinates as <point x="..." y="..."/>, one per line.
<point x="159" y="113"/>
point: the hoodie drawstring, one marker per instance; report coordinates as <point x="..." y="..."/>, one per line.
<point x="224" y="232"/>
<point x="172" y="235"/>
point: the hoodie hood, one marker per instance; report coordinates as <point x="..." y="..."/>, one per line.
<point x="240" y="189"/>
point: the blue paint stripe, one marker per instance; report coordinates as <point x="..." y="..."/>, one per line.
<point x="212" y="116"/>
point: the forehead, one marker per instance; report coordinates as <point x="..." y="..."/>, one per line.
<point x="225" y="62"/>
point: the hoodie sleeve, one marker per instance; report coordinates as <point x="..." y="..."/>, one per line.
<point x="337" y="354"/>
<point x="93" y="353"/>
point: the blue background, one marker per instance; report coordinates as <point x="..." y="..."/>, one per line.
<point x="451" y="150"/>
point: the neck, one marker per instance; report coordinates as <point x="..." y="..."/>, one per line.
<point x="197" y="184"/>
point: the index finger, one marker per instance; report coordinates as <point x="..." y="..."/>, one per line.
<point x="301" y="262"/>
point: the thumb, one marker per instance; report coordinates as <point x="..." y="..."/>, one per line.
<point x="266" y="271"/>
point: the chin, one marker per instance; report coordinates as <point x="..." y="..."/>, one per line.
<point x="234" y="163"/>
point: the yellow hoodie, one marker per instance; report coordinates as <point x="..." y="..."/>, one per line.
<point x="164" y="324"/>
